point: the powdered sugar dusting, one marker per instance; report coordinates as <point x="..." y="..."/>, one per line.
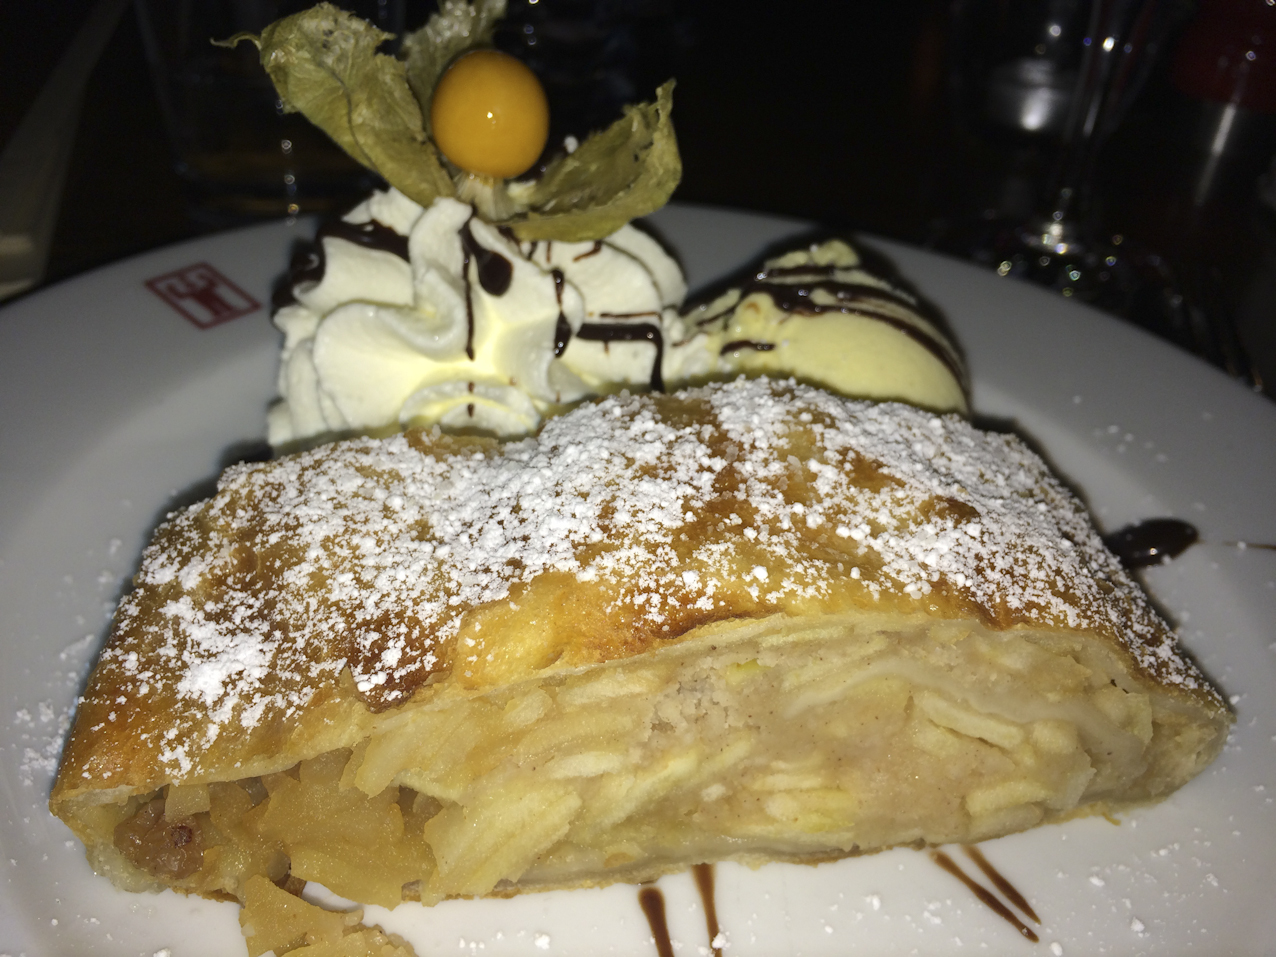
<point x="747" y="498"/>
<point x="1002" y="506"/>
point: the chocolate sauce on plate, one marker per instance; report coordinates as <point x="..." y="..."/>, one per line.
<point x="1156" y="540"/>
<point x="1151" y="541"/>
<point x="652" y="903"/>
<point x="1008" y="890"/>
<point x="986" y="896"/>
<point x="652" y="900"/>
<point x="703" y="874"/>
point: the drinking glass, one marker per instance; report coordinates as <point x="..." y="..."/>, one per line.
<point x="1069" y="93"/>
<point x="241" y="157"/>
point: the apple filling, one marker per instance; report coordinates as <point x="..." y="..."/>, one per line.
<point x="841" y="739"/>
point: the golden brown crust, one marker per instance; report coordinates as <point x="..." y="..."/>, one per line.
<point x="274" y="621"/>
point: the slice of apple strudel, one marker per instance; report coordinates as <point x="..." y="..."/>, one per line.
<point x="752" y="622"/>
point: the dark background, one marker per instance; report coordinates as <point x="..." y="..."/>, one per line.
<point x="849" y="113"/>
<point x="830" y="120"/>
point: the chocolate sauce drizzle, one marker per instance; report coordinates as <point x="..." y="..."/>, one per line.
<point x="598" y="247"/>
<point x="369" y="235"/>
<point x="1151" y="541"/>
<point x="495" y="273"/>
<point x="986" y="897"/>
<point x="852" y="298"/>
<point x="630" y="332"/>
<point x="562" y="328"/>
<point x="735" y="345"/>
<point x="710" y="320"/>
<point x="311" y="262"/>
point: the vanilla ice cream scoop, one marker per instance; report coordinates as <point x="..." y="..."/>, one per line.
<point x="819" y="315"/>
<point x="409" y="315"/>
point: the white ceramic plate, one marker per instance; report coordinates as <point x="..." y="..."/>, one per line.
<point x="112" y="404"/>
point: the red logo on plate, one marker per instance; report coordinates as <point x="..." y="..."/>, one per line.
<point x="203" y="295"/>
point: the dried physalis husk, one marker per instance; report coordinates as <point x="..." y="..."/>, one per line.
<point x="325" y="64"/>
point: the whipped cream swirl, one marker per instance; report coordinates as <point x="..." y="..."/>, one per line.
<point x="406" y="315"/>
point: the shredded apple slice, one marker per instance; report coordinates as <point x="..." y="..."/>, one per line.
<point x="274" y="920"/>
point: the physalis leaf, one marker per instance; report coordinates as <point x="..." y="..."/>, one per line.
<point x="324" y="64"/>
<point x="616" y="175"/>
